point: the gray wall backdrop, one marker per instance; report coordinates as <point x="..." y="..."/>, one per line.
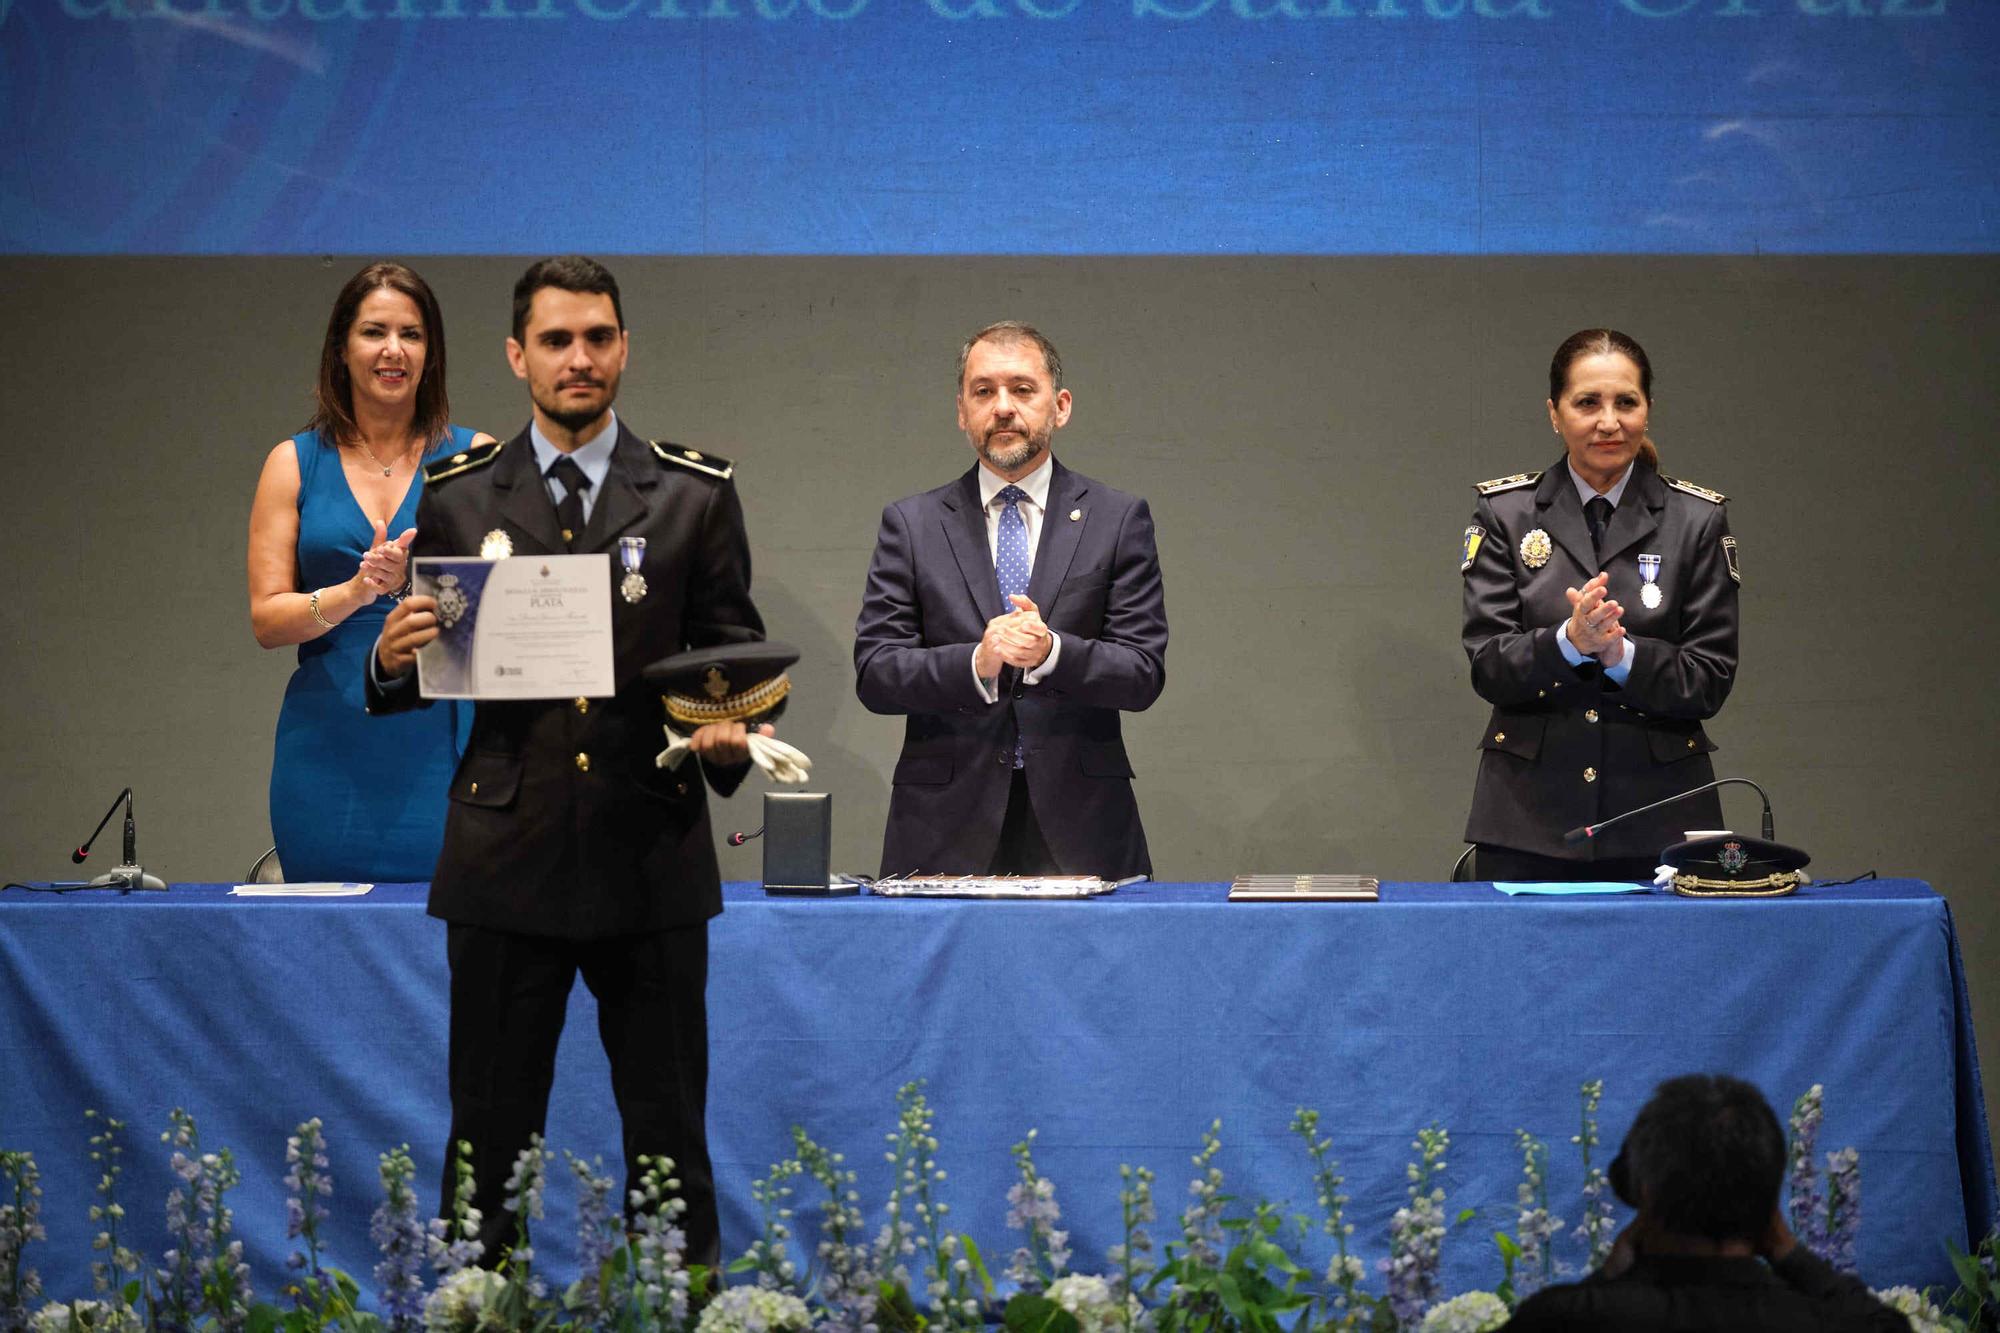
<point x="1307" y="431"/>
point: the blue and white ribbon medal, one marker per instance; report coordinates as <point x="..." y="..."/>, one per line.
<point x="1650" y="594"/>
<point x="631" y="552"/>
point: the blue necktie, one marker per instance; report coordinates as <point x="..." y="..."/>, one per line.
<point x="1010" y="566"/>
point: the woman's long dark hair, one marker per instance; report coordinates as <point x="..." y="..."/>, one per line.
<point x="333" y="414"/>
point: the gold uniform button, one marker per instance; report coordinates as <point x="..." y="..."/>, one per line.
<point x="680" y="789"/>
<point x="1690" y="742"/>
<point x="1590" y="715"/>
<point x="1590" y="775"/>
<point x="583" y="705"/>
<point x="1499" y="736"/>
<point x="582" y="763"/>
<point x="1541" y="694"/>
<point x="475" y="789"/>
<point x="458" y="458"/>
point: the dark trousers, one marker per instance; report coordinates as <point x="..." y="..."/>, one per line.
<point x="1022" y="850"/>
<point x="509" y="994"/>
<point x="1504" y="863"/>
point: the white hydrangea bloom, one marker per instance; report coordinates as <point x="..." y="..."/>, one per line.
<point x="1471" y="1312"/>
<point x="1090" y="1300"/>
<point x="754" y="1310"/>
<point x="1924" y="1317"/>
<point x="463" y="1303"/>
<point x="59" y="1317"/>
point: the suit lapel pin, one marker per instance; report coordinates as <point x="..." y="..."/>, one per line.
<point x="1650" y="594"/>
<point x="631" y="553"/>
<point x="496" y="545"/>
<point x="1076" y="516"/>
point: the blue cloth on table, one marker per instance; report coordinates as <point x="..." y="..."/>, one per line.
<point x="355" y="797"/>
<point x="1117" y="1026"/>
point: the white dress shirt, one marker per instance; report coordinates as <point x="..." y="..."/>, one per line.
<point x="1034" y="510"/>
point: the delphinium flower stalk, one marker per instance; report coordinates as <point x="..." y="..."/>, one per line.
<point x="1843" y="1208"/>
<point x="1537" y="1228"/>
<point x="1416" y="1232"/>
<point x="914" y="1157"/>
<point x="847" y="1280"/>
<point x="454" y="1243"/>
<point x="770" y="1255"/>
<point x="899" y="1239"/>
<point x="400" y="1239"/>
<point x="119" y="1261"/>
<point x="1806" y="1202"/>
<point x="660" y="1280"/>
<point x="205" y="1270"/>
<point x="305" y="1155"/>
<point x="1132" y="1258"/>
<point x="1201" y="1220"/>
<point x="524" y="1199"/>
<point x="20" y="1223"/>
<point x="594" y="1296"/>
<point x="1032" y="1209"/>
<point x="1597" y="1230"/>
<point x="1345" y="1271"/>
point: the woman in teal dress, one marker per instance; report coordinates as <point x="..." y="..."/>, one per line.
<point x="355" y="797"/>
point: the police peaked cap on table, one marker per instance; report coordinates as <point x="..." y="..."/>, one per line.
<point x="1729" y="865"/>
<point x="730" y="682"/>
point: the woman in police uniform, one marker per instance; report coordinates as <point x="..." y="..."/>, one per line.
<point x="1600" y="619"/>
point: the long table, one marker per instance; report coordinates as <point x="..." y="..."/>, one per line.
<point x="1118" y="1028"/>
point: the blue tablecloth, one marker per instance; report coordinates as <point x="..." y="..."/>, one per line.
<point x="1119" y="1027"/>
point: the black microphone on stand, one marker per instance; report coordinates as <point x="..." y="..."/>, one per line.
<point x="1589" y="831"/>
<point x="127" y="875"/>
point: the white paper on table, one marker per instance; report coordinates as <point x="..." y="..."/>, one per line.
<point x="323" y="890"/>
<point x="524" y="627"/>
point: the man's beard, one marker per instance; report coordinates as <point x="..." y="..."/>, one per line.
<point x="1009" y="458"/>
<point x="574" y="419"/>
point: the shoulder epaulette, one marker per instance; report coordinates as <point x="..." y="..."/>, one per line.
<point x="465" y="460"/>
<point x="1515" y="482"/>
<point x="693" y="459"/>
<point x="1713" y="497"/>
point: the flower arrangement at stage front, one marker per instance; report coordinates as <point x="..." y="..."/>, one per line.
<point x="1229" y="1270"/>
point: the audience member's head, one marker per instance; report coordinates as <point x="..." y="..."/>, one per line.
<point x="1705" y="1157"/>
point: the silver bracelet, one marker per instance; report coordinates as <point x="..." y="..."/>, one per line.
<point x="312" y="604"/>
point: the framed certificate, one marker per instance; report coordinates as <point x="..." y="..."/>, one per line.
<point x="524" y="627"/>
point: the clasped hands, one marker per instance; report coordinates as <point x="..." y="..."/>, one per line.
<point x="386" y="566"/>
<point x="1596" y="623"/>
<point x="1017" y="639"/>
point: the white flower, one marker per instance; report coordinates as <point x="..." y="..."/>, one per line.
<point x="463" y="1302"/>
<point x="754" y="1310"/>
<point x="1924" y="1317"/>
<point x="57" y="1317"/>
<point x="1471" y="1312"/>
<point x="1089" y="1300"/>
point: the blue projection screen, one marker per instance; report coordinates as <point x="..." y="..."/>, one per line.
<point x="860" y="127"/>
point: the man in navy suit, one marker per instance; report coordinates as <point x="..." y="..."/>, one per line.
<point x="1010" y="616"/>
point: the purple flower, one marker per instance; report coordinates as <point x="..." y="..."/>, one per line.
<point x="1032" y="1208"/>
<point x="1598" y="1227"/>
<point x="20" y="1223"/>
<point x="1416" y="1233"/>
<point x="401" y="1240"/>
<point x="1843" y="1208"/>
<point x="1806" y="1205"/>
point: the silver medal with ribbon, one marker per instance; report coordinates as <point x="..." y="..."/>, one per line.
<point x="631" y="553"/>
<point x="1649" y="570"/>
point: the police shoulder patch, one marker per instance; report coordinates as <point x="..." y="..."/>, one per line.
<point x="1474" y="535"/>
<point x="693" y="459"/>
<point x="465" y="460"/>
<point x="1713" y="497"/>
<point x="1515" y="482"/>
<point x="1729" y="554"/>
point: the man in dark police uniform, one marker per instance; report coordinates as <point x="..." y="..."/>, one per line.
<point x="566" y="849"/>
